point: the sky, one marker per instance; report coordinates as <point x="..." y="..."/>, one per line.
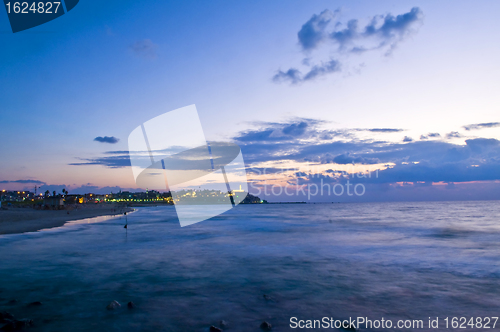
<point x="310" y="91"/>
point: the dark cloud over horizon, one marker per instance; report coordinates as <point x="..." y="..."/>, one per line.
<point x="425" y="160"/>
<point x="304" y="140"/>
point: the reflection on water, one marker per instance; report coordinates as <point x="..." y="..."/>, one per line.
<point x="397" y="260"/>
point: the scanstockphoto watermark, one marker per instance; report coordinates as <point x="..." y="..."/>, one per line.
<point x="365" y="323"/>
<point x="311" y="184"/>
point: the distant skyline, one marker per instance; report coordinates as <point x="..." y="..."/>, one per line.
<point x="312" y="88"/>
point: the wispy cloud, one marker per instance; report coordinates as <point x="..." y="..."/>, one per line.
<point x="385" y="130"/>
<point x="22" y="181"/>
<point x="116" y="161"/>
<point x="144" y="48"/>
<point x="482" y="125"/>
<point x="294" y="76"/>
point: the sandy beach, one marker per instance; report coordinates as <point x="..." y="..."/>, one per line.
<point x="22" y="220"/>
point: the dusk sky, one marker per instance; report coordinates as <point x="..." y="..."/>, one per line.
<point x="306" y="88"/>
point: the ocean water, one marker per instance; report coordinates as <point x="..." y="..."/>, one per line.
<point x="390" y="260"/>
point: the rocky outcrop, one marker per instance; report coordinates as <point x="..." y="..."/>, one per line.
<point x="113" y="305"/>
<point x="12" y="324"/>
<point x="266" y="326"/>
<point x="4" y="315"/>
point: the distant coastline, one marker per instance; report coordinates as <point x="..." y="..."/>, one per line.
<point x="23" y="220"/>
<point x="22" y="212"/>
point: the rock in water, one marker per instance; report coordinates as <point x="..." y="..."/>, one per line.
<point x="6" y="317"/>
<point x="131" y="305"/>
<point x="266" y="326"/>
<point x="17" y="325"/>
<point x="113" y="305"/>
<point x="215" y="329"/>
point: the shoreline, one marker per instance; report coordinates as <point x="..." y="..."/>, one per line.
<point x="24" y="220"/>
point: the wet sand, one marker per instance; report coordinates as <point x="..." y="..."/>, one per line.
<point x="22" y="220"/>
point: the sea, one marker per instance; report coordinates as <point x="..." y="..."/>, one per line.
<point x="284" y="264"/>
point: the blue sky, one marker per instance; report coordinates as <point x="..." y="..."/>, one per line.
<point x="106" y="67"/>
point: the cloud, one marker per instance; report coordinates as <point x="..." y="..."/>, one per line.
<point x="382" y="32"/>
<point x="412" y="161"/>
<point x="313" y="31"/>
<point x="384" y="130"/>
<point x="294" y="76"/>
<point x="454" y="134"/>
<point x="268" y="170"/>
<point x="273" y="141"/>
<point x="407" y="139"/>
<point x="481" y="145"/>
<point x="331" y="66"/>
<point x="116" y="161"/>
<point x="394" y="28"/>
<point x="272" y="132"/>
<point x="430" y="135"/>
<point x="482" y="125"/>
<point x="432" y="163"/>
<point x="347" y="158"/>
<point x="106" y="139"/>
<point x="22" y="181"/>
<point x="304" y="140"/>
<point x="144" y="48"/>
